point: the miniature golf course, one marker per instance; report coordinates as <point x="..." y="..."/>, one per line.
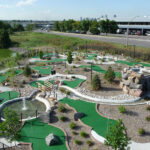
<point x="72" y="84"/>
<point x="92" y="118"/>
<point x="98" y="69"/>
<point x="43" y="69"/>
<point x="4" y="76"/>
<point x="52" y="61"/>
<point x="8" y="96"/>
<point x="35" y="132"/>
<point x="132" y="63"/>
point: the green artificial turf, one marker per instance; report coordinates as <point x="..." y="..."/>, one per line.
<point x="34" y="83"/>
<point x="4" y="76"/>
<point x="45" y="55"/>
<point x="52" y="61"/>
<point x="91" y="56"/>
<point x="98" y="69"/>
<point x="8" y="96"/>
<point x="132" y="63"/>
<point x="92" y="118"/>
<point x="73" y="84"/>
<point x="43" y="69"/>
<point x="35" y="132"/>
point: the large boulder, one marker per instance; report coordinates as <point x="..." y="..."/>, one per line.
<point x="125" y="76"/>
<point x="126" y="82"/>
<point x="121" y="85"/>
<point x="135" y="92"/>
<point x="78" y="115"/>
<point x="51" y="139"/>
<point x="136" y="86"/>
<point x="125" y="89"/>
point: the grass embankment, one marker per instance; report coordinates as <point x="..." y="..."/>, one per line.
<point x="8" y="96"/>
<point x="92" y="118"/>
<point x="35" y="132"/>
<point x="36" y="40"/>
<point x="5" y="53"/>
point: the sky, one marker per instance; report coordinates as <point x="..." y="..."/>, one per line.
<point x="74" y="9"/>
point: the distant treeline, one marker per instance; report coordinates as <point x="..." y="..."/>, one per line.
<point x="6" y="29"/>
<point x="83" y="26"/>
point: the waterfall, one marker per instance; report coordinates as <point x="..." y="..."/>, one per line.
<point x="24" y="104"/>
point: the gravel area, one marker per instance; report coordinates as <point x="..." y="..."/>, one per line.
<point x="133" y="119"/>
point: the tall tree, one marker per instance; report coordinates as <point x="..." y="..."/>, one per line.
<point x="96" y="83"/>
<point x="18" y="28"/>
<point x="11" y="127"/>
<point x="69" y="57"/>
<point x="56" y="26"/>
<point x="110" y="75"/>
<point x="5" y="41"/>
<point x="117" y="137"/>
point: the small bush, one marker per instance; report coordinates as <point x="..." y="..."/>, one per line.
<point x="122" y="109"/>
<point x="141" y="131"/>
<point x="63" y="118"/>
<point x="68" y="92"/>
<point x="73" y="66"/>
<point x="68" y="72"/>
<point x="61" y="109"/>
<point x="72" y="125"/>
<point x="148" y="118"/>
<point x="89" y="143"/>
<point x="84" y="134"/>
<point x="78" y="142"/>
<point x="148" y="107"/>
<point x="74" y="133"/>
<point x="62" y="90"/>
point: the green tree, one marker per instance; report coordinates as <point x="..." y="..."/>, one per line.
<point x="110" y="75"/>
<point x="30" y="27"/>
<point x="41" y="55"/>
<point x="69" y="57"/>
<point x="56" y="26"/>
<point x="94" y="27"/>
<point x="11" y="127"/>
<point x="5" y="41"/>
<point x="18" y="28"/>
<point x="117" y="137"/>
<point x="85" y="24"/>
<point x="96" y="83"/>
<point x="27" y="71"/>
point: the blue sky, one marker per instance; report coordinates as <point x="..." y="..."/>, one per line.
<point x="65" y="9"/>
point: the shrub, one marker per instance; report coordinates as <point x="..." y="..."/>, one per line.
<point x="73" y="66"/>
<point x="72" y="125"/>
<point x="148" y="118"/>
<point x="68" y="92"/>
<point x="62" y="90"/>
<point x="68" y="71"/>
<point x="74" y="133"/>
<point x="63" y="118"/>
<point x="89" y="143"/>
<point x="61" y="108"/>
<point x="110" y="75"/>
<point x="148" y="107"/>
<point x="84" y="134"/>
<point x="141" y="131"/>
<point x="78" y="142"/>
<point x="27" y="71"/>
<point x="122" y="109"/>
<point x="96" y="83"/>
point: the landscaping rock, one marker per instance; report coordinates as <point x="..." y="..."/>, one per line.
<point x="51" y="139"/>
<point x="78" y="115"/>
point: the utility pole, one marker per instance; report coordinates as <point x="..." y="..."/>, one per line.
<point x="91" y="73"/>
<point x="134" y="51"/>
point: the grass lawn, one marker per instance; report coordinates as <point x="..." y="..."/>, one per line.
<point x="73" y="84"/>
<point x="43" y="69"/>
<point x="8" y="96"/>
<point x="35" y="132"/>
<point x="4" y="53"/>
<point x="98" y="123"/>
<point x="98" y="69"/>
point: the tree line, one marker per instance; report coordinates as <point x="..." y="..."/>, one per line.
<point x="83" y="26"/>
<point x="6" y="29"/>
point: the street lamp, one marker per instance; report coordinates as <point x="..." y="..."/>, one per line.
<point x="127" y="38"/>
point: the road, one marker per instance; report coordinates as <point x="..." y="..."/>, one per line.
<point x="142" y="41"/>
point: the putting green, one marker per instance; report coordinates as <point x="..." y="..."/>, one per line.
<point x="92" y="118"/>
<point x="3" y="77"/>
<point x="91" y="56"/>
<point x="98" y="69"/>
<point x="45" y="55"/>
<point x="8" y="96"/>
<point x="73" y="84"/>
<point x="52" y="61"/>
<point x="34" y="83"/>
<point x="43" y="69"/>
<point x="35" y="132"/>
<point x="132" y="63"/>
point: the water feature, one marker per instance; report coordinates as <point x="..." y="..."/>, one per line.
<point x="24" y="104"/>
<point x="27" y="108"/>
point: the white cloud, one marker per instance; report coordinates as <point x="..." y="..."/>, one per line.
<point x="25" y="2"/>
<point x="5" y="6"/>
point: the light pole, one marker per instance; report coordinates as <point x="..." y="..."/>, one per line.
<point x="127" y="37"/>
